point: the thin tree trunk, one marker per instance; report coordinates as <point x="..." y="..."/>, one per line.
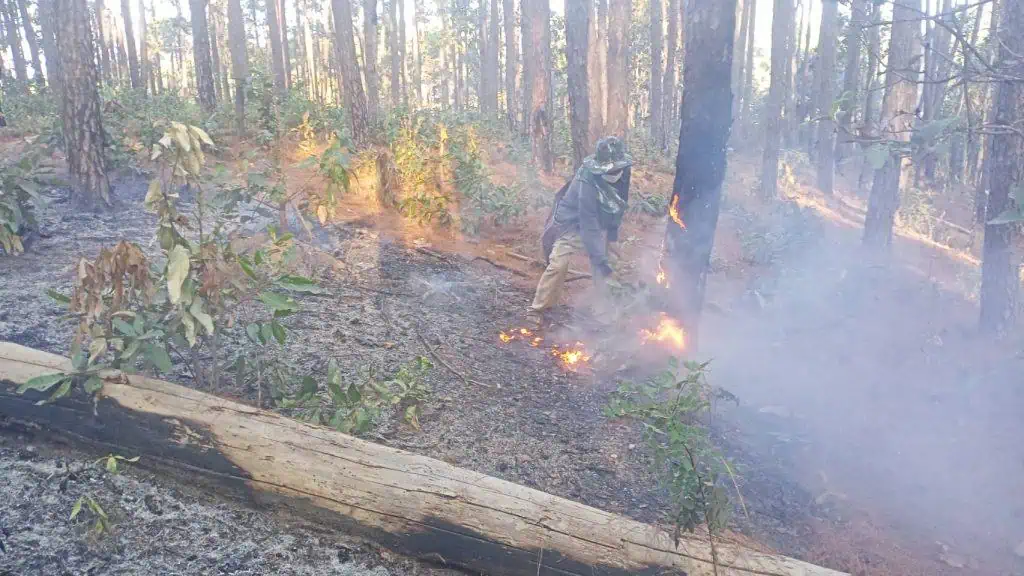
<point x="49" y="42"/>
<point x="773" y="109"/>
<point x="794" y="76"/>
<point x="897" y="121"/>
<point x="1000" y="270"/>
<point x="276" y="48"/>
<point x="869" y="126"/>
<point x="286" y="58"/>
<point x="577" y="46"/>
<point x="14" y="43"/>
<point x="417" y="50"/>
<point x="602" y="54"/>
<point x="445" y="60"/>
<point x="617" y="115"/>
<point x="102" y="36"/>
<point x="129" y="33"/>
<point x="738" y="60"/>
<point x="201" y="55"/>
<point x="239" y="60"/>
<point x="214" y="51"/>
<point x="701" y="160"/>
<point x="33" y="43"/>
<point x="826" y="141"/>
<point x="80" y="105"/>
<point x="851" y="80"/>
<point x="355" y="99"/>
<point x="492" y="66"/>
<point x="669" y="81"/>
<point x="511" y="64"/>
<point x="402" y="54"/>
<point x="370" y="21"/>
<point x="537" y="79"/>
<point x="396" y="64"/>
<point x="220" y="39"/>
<point x="657" y="34"/>
<point x="934" y="89"/>
<point x="748" y="62"/>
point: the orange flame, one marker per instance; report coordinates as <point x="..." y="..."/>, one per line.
<point x="505" y="337"/>
<point x="572" y="358"/>
<point x="673" y="211"/>
<point x="668" y="331"/>
<point x="536" y="341"/>
<point x="661" y="278"/>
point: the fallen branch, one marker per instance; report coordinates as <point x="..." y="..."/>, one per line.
<point x="574" y="274"/>
<point x="501" y="266"/>
<point x="442" y="362"/>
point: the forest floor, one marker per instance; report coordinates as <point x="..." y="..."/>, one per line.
<point x="876" y="432"/>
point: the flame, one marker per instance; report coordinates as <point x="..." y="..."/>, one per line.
<point x="661" y="278"/>
<point x="673" y="211"/>
<point x="572" y="358"/>
<point x="525" y="332"/>
<point x="536" y="341"/>
<point x="668" y="331"/>
<point x="505" y="337"/>
<point x="522" y="334"/>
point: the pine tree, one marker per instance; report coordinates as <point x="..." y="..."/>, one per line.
<point x="657" y="32"/>
<point x="825" y="156"/>
<point x="201" y="55"/>
<point x="577" y="43"/>
<point x="239" y="60"/>
<point x="355" y="98"/>
<point x="781" y="11"/>
<point x="617" y="115"/>
<point x="537" y="79"/>
<point x="511" y="64"/>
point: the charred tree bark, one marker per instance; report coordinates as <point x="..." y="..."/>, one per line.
<point x="577" y="43"/>
<point x="826" y="142"/>
<point x="617" y="116"/>
<point x="33" y="42"/>
<point x="511" y="64"/>
<point x="49" y="42"/>
<point x="851" y="80"/>
<point x="80" y="105"/>
<point x="1000" y="270"/>
<point x="669" y="81"/>
<point x="700" y="163"/>
<point x="14" y="43"/>
<point x="370" y="21"/>
<point x="898" y="106"/>
<point x="773" y="110"/>
<point x="355" y="99"/>
<point x="133" y="56"/>
<point x="276" y="48"/>
<point x="657" y="31"/>
<point x="537" y="79"/>
<point x="239" y="60"/>
<point x="201" y="55"/>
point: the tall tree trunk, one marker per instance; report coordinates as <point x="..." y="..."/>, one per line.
<point x="417" y="50"/>
<point x="276" y="48"/>
<point x="939" y="61"/>
<point x="481" y="44"/>
<point x="49" y="42"/>
<point x="701" y="160"/>
<point x="781" y="11"/>
<point x="826" y="141"/>
<point x="445" y="60"/>
<point x="33" y="42"/>
<point x="285" y="46"/>
<point x="618" y="73"/>
<point x="869" y="125"/>
<point x="976" y="162"/>
<point x="577" y="46"/>
<point x="201" y="55"/>
<point x="14" y="43"/>
<point x="355" y="99"/>
<point x="1000" y="278"/>
<point x="851" y="80"/>
<point x="239" y="60"/>
<point x="370" y="20"/>
<point x="602" y="55"/>
<point x="657" y="40"/>
<point x="794" y="76"/>
<point x="102" y="36"/>
<point x="80" y="105"/>
<point x="897" y="120"/>
<point x="396" y="64"/>
<point x="129" y="34"/>
<point x="220" y="39"/>
<point x="492" y="66"/>
<point x="739" y="56"/>
<point x="402" y="54"/>
<point x="748" y="66"/>
<point x="511" y="64"/>
<point x="669" y="81"/>
<point x="537" y="79"/>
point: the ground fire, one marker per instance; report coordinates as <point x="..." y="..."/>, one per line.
<point x="571" y="357"/>
<point x="668" y="332"/>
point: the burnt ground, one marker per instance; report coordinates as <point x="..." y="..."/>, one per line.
<point x="512" y="411"/>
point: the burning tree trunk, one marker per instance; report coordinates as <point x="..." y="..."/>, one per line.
<point x="577" y="42"/>
<point x="511" y="64"/>
<point x="49" y="42"/>
<point x="201" y="55"/>
<point x="537" y="79"/>
<point x="129" y="35"/>
<point x="370" y="57"/>
<point x="14" y="43"/>
<point x="773" y="110"/>
<point x="897" y="121"/>
<point x="826" y="94"/>
<point x="669" y="90"/>
<point x="239" y="60"/>
<point x="1000" y="280"/>
<point x="851" y="80"/>
<point x="657" y="38"/>
<point x="700" y="163"/>
<point x="617" y="116"/>
<point x="355" y="99"/>
<point x="80" y="105"/>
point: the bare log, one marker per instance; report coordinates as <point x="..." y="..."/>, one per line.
<point x="416" y="505"/>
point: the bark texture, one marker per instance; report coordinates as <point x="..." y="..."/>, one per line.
<point x="33" y="41"/>
<point x="897" y="120"/>
<point x="781" y="11"/>
<point x="205" y="87"/>
<point x="669" y="81"/>
<point x="748" y="66"/>
<point x="700" y="164"/>
<point x="657" y="34"/>
<point x="370" y="21"/>
<point x="537" y="79"/>
<point x="277" y="66"/>
<point x="13" y="39"/>
<point x="355" y="98"/>
<point x="239" y="60"/>
<point x="851" y="79"/>
<point x="617" y="116"/>
<point x="577" y="42"/>
<point x="129" y="34"/>
<point x="826" y="141"/>
<point x="511" y="64"/>
<point x="489" y="104"/>
<point x="594" y="75"/>
<point x="49" y="44"/>
<point x="80" y="105"/>
<point x="396" y="63"/>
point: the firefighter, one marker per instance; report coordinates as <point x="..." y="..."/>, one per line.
<point x="586" y="216"/>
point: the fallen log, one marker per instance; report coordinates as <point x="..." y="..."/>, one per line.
<point x="415" y="505"/>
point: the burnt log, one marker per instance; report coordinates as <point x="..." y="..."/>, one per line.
<point x="412" y="504"/>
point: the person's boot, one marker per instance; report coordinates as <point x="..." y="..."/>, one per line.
<point x="534" y="320"/>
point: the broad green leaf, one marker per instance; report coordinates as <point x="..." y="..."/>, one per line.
<point x="278" y="302"/>
<point x="123" y="327"/>
<point x="253" y="331"/>
<point x="157" y="354"/>
<point x="94" y="384"/>
<point x="201" y="316"/>
<point x="299" y="284"/>
<point x="190" y="328"/>
<point x="42" y="383"/>
<point x="177" y="271"/>
<point x="76" y="509"/>
<point x="111" y="465"/>
<point x="154" y="195"/>
<point x="266" y="333"/>
<point x="247" y="267"/>
<point x="309" y="386"/>
<point x="79" y="361"/>
<point x="411" y="417"/>
<point x="278" y="331"/>
<point x="354" y="395"/>
<point x="131" y="349"/>
<point x="58" y="297"/>
<point x="97" y="348"/>
<point x="59" y="393"/>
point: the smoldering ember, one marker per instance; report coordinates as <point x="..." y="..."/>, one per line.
<point x="564" y="287"/>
